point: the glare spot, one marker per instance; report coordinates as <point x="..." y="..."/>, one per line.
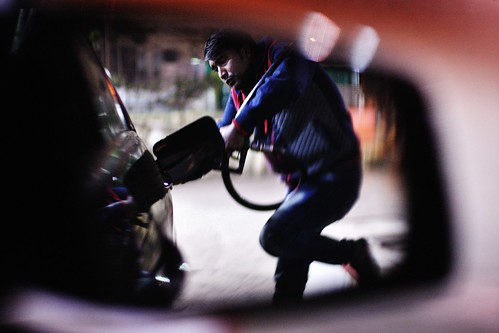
<point x="318" y="36"/>
<point x="364" y="46"/>
<point x="162" y="279"/>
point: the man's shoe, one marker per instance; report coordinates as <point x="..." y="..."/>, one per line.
<point x="366" y="269"/>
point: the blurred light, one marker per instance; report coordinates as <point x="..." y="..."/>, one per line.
<point x="364" y="45"/>
<point x="195" y="61"/>
<point x="108" y="73"/>
<point x="318" y="36"/>
<point x="162" y="279"/>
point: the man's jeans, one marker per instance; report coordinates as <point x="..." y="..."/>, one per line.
<point x="293" y="233"/>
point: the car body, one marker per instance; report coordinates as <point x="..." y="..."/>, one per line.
<point x="441" y="61"/>
<point x="89" y="161"/>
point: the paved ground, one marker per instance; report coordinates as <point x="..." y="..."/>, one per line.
<point x="219" y="239"/>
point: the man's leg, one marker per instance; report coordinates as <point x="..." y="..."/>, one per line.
<point x="290" y="277"/>
<point x="293" y="233"/>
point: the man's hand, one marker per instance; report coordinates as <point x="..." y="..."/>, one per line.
<point x="233" y="139"/>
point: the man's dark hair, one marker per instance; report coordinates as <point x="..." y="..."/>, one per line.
<point x="223" y="40"/>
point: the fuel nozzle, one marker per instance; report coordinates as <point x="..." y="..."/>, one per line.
<point x="237" y="158"/>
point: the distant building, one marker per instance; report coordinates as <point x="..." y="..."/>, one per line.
<point x="156" y="59"/>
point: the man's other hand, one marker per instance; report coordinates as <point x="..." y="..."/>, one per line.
<point x="232" y="138"/>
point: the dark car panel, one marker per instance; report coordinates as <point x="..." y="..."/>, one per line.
<point x="81" y="161"/>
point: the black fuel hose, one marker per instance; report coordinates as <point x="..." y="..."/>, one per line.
<point x="226" y="176"/>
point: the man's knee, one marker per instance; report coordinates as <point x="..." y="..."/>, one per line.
<point x="279" y="242"/>
<point x="270" y="239"/>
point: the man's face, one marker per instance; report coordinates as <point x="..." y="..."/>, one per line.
<point x="232" y="68"/>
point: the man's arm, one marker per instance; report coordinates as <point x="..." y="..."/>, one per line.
<point x="229" y="113"/>
<point x="233" y="138"/>
<point x="278" y="90"/>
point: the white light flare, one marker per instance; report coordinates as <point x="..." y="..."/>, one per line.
<point x="318" y="36"/>
<point x="364" y="46"/>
